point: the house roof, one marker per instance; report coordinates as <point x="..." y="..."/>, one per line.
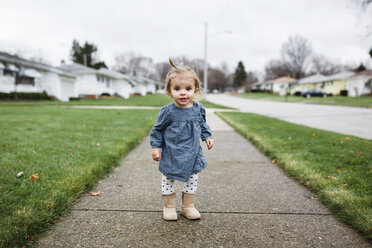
<point x="339" y="76"/>
<point x="312" y="79"/>
<point x="144" y="80"/>
<point x="76" y="68"/>
<point x="283" y="80"/>
<point x="12" y="60"/>
<point x="113" y="74"/>
<point x="30" y="73"/>
<point x="364" y="74"/>
<point x="257" y="83"/>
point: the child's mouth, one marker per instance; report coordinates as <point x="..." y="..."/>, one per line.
<point x="183" y="99"/>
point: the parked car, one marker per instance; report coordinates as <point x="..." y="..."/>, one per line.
<point x="311" y="93"/>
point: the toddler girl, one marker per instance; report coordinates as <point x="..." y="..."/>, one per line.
<point x="175" y="140"/>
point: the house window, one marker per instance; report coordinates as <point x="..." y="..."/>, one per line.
<point x="108" y="82"/>
<point x="25" y="80"/>
<point x="97" y="78"/>
<point x="8" y="72"/>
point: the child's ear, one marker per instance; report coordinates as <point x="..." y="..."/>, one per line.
<point x="196" y="90"/>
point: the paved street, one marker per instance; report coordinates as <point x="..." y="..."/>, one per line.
<point x="244" y="199"/>
<point x="345" y="120"/>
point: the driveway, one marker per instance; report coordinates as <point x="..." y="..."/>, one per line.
<point x="346" y="120"/>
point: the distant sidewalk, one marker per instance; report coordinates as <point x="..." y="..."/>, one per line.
<point x="346" y="120"/>
<point x="244" y="199"/>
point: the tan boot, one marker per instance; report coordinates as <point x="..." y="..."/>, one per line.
<point x="169" y="210"/>
<point x="188" y="210"/>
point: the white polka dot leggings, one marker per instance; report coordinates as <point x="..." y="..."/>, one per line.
<point x="167" y="185"/>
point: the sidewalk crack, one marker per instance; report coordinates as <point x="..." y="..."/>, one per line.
<point x="205" y="212"/>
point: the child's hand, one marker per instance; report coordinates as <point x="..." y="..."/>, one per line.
<point x="209" y="143"/>
<point x="156" y="155"/>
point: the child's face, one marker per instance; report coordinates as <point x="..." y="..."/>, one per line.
<point x="183" y="90"/>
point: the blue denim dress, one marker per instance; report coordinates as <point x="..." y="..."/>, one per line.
<point x="177" y="132"/>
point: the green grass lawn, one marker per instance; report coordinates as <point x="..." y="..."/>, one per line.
<point x="338" y="168"/>
<point x="70" y="149"/>
<point x="364" y="101"/>
<point x="157" y="100"/>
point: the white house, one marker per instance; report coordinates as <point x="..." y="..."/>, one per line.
<point x="92" y="83"/>
<point x="21" y="75"/>
<point x="281" y="85"/>
<point x="138" y="87"/>
<point x="359" y="84"/>
<point x="150" y="85"/>
<point x="89" y="83"/>
<point x="120" y="82"/>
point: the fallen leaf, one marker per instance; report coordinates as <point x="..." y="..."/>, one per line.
<point x="338" y="170"/>
<point x="282" y="149"/>
<point x="95" y="193"/>
<point x="20" y="174"/>
<point x="274" y="161"/>
<point x="70" y="150"/>
<point x="347" y="138"/>
<point x="97" y="145"/>
<point x="63" y="164"/>
<point x="34" y="177"/>
<point x="283" y="143"/>
<point x="360" y="153"/>
<point x="30" y="238"/>
<point x="331" y="177"/>
<point x="313" y="134"/>
<point x="344" y="185"/>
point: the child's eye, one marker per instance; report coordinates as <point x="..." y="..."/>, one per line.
<point x="177" y="88"/>
<point x="189" y="88"/>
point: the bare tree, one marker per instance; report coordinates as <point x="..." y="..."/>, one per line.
<point x="135" y="64"/>
<point x="251" y="79"/>
<point x="143" y="66"/>
<point x="363" y="4"/>
<point x="364" y="10"/>
<point x="162" y="69"/>
<point x="198" y="66"/>
<point x="182" y="60"/>
<point x="320" y="64"/>
<point x="122" y="62"/>
<point x="275" y="69"/>
<point x="216" y="79"/>
<point x="195" y="64"/>
<point x="296" y="53"/>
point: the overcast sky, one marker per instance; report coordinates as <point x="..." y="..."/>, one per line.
<point x="161" y="28"/>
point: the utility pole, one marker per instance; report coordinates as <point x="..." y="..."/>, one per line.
<point x="85" y="59"/>
<point x="205" y="80"/>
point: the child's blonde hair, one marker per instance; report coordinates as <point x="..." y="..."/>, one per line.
<point x="179" y="70"/>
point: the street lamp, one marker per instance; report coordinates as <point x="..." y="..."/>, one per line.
<point x="205" y="79"/>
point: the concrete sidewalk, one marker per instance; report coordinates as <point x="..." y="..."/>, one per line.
<point x="244" y="199"/>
